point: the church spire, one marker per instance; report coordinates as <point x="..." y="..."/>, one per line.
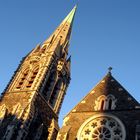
<point x="62" y="34"/>
<point x="70" y="17"/>
<point x="38" y="87"/>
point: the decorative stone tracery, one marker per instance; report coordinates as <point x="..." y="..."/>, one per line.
<point x="102" y="127"/>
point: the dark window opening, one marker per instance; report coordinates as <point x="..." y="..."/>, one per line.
<point x="55" y="93"/>
<point x="102" y="105"/>
<point x="48" y="87"/>
<point x="110" y="104"/>
<point x="32" y="78"/>
<point x="20" y="83"/>
<point x="22" y="80"/>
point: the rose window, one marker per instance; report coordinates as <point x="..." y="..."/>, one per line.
<point x="102" y="128"/>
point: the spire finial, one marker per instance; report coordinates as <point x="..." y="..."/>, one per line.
<point x="70" y="17"/>
<point x="77" y="2"/>
<point x="110" y="69"/>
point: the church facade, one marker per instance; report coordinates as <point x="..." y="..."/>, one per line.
<point x="107" y="112"/>
<point x="31" y="102"/>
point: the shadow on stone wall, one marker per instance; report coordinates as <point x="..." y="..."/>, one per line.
<point x="12" y="128"/>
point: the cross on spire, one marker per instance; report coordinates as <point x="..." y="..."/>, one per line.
<point x="110" y="69"/>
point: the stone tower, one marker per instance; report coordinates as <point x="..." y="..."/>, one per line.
<point x="31" y="102"/>
<point x="107" y="112"/>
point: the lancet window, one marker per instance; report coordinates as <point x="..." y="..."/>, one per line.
<point x="23" y="78"/>
<point x="102" y="105"/>
<point x="111" y="100"/>
<point x="49" y="85"/>
<point x="105" y="102"/>
<point x="55" y="93"/>
<point x="32" y="77"/>
<point x="60" y="97"/>
<point x="110" y="104"/>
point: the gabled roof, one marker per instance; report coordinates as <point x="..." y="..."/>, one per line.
<point x="106" y="87"/>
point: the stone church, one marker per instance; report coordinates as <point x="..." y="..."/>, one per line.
<point x="31" y="102"/>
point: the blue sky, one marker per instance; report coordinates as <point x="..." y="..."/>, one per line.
<point x="105" y="33"/>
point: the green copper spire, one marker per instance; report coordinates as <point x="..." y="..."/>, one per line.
<point x="70" y="17"/>
<point x="63" y="31"/>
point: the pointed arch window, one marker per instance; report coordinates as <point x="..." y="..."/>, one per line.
<point x="102" y="105"/>
<point x="105" y="102"/>
<point x="55" y="93"/>
<point x="110" y="104"/>
<point x="49" y="85"/>
<point x="60" y="97"/>
<point x="23" y="79"/>
<point x="32" y="78"/>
